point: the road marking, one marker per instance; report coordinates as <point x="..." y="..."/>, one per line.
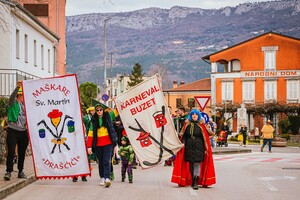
<point x="269" y="186"/>
<point x="275" y="178"/>
<point x="266" y="180"/>
<point x="272" y="160"/>
<point x="256" y="159"/>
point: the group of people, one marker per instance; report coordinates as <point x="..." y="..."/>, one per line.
<point x="101" y="139"/>
<point x="105" y="134"/>
<point x="267" y="134"/>
<point x="193" y="164"/>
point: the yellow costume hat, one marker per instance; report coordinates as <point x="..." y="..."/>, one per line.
<point x="90" y="108"/>
<point x="20" y="91"/>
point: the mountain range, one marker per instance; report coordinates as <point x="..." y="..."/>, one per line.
<point x="169" y="41"/>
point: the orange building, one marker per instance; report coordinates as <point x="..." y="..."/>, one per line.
<point x="53" y="14"/>
<point x="260" y="73"/>
<point x="184" y="95"/>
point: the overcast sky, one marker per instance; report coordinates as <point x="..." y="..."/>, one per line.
<point x="77" y="7"/>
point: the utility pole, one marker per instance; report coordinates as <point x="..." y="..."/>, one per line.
<point x="104" y="51"/>
<point x="111" y="86"/>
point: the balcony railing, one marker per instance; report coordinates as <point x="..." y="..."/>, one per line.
<point x="9" y="79"/>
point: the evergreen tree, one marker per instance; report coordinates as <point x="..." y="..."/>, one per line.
<point x="136" y="76"/>
<point x="88" y="91"/>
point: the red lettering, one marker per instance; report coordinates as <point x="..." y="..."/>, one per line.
<point x="133" y="112"/>
<point x="132" y="100"/>
<point x="52" y="86"/>
<point x="36" y="94"/>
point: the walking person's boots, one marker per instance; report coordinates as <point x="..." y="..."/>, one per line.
<point x="130" y="177"/>
<point x="195" y="183"/>
<point x="123" y="177"/>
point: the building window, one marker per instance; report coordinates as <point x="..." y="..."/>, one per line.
<point x="49" y="66"/>
<point x="270" y="91"/>
<point x="227" y="91"/>
<point x="38" y="10"/>
<point x="26" y="48"/>
<point x="236" y="65"/>
<point x="293" y="90"/>
<point x="34" y="53"/>
<point x="270" y="57"/>
<point x="178" y="103"/>
<point x="191" y="102"/>
<point x="248" y="91"/>
<point x="42" y="57"/>
<point x="17" y="44"/>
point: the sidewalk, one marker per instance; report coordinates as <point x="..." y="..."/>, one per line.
<point x="15" y="184"/>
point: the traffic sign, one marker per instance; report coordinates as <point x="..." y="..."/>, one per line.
<point x="205" y="116"/>
<point x="202" y="101"/>
<point x="105" y="97"/>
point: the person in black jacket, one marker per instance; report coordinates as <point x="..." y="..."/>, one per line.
<point x="194" y="144"/>
<point x="102" y="141"/>
<point x="244" y="131"/>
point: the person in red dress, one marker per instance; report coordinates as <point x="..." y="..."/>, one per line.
<point x="194" y="163"/>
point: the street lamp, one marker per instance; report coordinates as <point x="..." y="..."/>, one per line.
<point x="104" y="51"/>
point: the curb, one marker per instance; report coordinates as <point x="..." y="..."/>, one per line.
<point x="228" y="150"/>
<point x="16" y="185"/>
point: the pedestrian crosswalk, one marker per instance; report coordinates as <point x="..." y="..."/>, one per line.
<point x="262" y="158"/>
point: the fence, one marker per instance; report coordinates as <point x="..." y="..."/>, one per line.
<point x="9" y="79"/>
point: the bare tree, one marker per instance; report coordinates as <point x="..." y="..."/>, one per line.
<point x="163" y="73"/>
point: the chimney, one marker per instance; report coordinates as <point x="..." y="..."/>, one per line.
<point x="181" y="82"/>
<point x="175" y="84"/>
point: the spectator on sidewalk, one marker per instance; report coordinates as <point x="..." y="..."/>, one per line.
<point x="244" y="131"/>
<point x="16" y="132"/>
<point x="256" y="133"/>
<point x="267" y="134"/>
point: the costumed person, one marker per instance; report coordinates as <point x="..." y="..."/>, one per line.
<point x="170" y="160"/>
<point x="102" y="141"/>
<point x="194" y="163"/>
<point x="212" y="126"/>
<point x="87" y="121"/>
<point x="119" y="128"/>
<point x="16" y="132"/>
<point x="127" y="155"/>
<point x="267" y="135"/>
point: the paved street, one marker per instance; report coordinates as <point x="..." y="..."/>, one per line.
<point x="239" y="176"/>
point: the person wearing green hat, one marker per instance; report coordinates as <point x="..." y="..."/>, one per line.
<point x="127" y="154"/>
<point x="102" y="141"/>
<point x="17" y="132"/>
<point x="87" y="120"/>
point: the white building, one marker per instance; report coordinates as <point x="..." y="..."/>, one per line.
<point x="27" y="47"/>
<point x="118" y="86"/>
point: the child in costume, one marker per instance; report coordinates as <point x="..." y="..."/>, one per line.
<point x="127" y="154"/>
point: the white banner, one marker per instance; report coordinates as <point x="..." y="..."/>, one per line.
<point x="148" y="123"/>
<point x="55" y="127"/>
